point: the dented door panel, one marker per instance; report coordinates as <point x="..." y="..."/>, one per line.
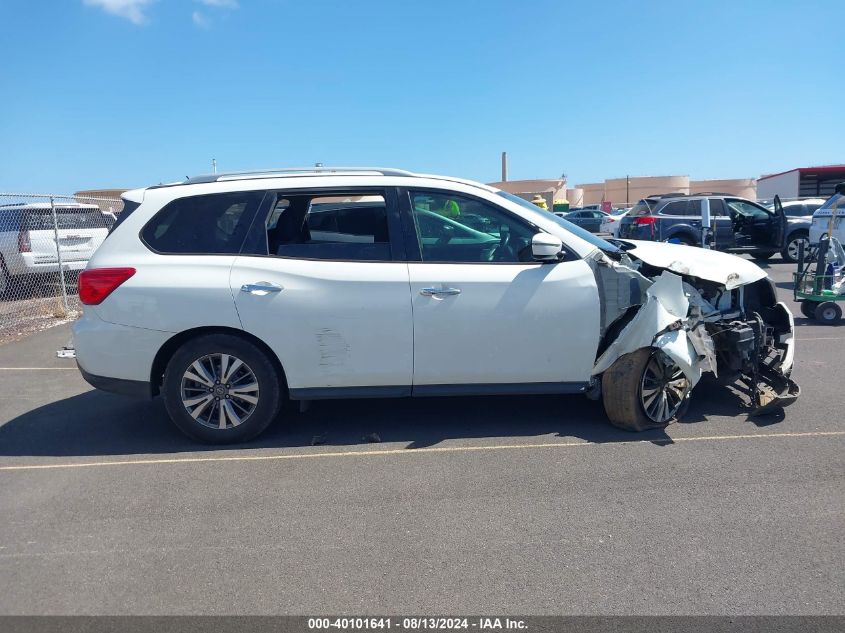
<point x="332" y="323"/>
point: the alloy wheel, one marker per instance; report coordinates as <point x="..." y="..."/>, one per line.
<point x="663" y="388"/>
<point x="792" y="247"/>
<point x="219" y="391"/>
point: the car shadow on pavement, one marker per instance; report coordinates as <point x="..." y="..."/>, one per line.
<point x="100" y="424"/>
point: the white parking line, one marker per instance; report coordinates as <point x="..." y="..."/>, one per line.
<point x="411" y="451"/>
<point x="37" y="368"/>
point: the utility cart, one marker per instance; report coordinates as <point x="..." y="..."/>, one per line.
<point x="819" y="283"/>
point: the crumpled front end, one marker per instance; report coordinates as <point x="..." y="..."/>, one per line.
<point x="737" y="331"/>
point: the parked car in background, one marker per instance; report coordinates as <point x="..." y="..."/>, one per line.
<point x="611" y="223"/>
<point x="229" y="294"/>
<point x="820" y="224"/>
<point x="588" y="219"/>
<point x="799" y="217"/>
<point x="738" y="225"/>
<point x="28" y="244"/>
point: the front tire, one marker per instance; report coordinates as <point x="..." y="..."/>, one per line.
<point x="644" y="390"/>
<point x="790" y="251"/>
<point x="762" y="257"/>
<point x="221" y="389"/>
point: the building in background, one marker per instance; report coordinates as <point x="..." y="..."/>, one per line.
<point x="626" y="191"/>
<point x="801" y="182"/>
<point x="107" y="199"/>
<point x="551" y="189"/>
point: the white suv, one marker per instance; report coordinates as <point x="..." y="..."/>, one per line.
<point x="28" y="238"/>
<point x="229" y="294"/>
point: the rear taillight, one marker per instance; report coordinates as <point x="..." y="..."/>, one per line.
<point x="645" y="220"/>
<point x="98" y="283"/>
<point x="24" y="245"/>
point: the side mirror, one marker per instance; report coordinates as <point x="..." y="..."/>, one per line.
<point x="545" y="247"/>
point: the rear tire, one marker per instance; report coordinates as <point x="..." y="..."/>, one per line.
<point x="5" y="280"/>
<point x="221" y="389"/>
<point x="629" y="391"/>
<point x="828" y="313"/>
<point x="808" y="308"/>
<point x="686" y="240"/>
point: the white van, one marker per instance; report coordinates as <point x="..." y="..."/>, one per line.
<point x="822" y="217"/>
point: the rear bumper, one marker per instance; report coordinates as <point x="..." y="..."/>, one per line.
<point x="25" y="265"/>
<point x="115" y="357"/>
<point x="136" y="388"/>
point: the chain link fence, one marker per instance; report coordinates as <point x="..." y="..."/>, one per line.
<point x="45" y="240"/>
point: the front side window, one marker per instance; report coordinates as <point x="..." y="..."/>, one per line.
<point x="452" y="228"/>
<point x="336" y="227"/>
<point x="214" y="224"/>
<point x="747" y="209"/>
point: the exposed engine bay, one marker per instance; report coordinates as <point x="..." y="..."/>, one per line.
<point x="708" y="311"/>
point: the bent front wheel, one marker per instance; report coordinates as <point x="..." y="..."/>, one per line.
<point x="645" y="389"/>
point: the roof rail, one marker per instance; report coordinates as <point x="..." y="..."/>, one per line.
<point x="711" y="193"/>
<point x="295" y="171"/>
<point x="667" y="195"/>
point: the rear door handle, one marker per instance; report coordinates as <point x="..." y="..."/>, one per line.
<point x="438" y="292"/>
<point x="261" y="288"/>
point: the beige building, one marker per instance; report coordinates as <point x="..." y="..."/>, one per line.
<point x="107" y="199"/>
<point x="551" y="189"/>
<point x="618" y="191"/>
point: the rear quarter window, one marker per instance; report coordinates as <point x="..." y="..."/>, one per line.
<point x="214" y="224"/>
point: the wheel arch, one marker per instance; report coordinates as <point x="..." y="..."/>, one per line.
<point x="799" y="231"/>
<point x="165" y="353"/>
<point x="682" y="231"/>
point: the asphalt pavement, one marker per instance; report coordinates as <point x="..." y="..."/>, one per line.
<point x="514" y="505"/>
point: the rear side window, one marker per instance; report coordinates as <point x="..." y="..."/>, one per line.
<point x="213" y="224"/>
<point x="347" y="227"/>
<point x="682" y="207"/>
<point x="717" y="208"/>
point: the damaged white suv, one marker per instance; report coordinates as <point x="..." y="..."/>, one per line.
<point x="229" y="294"/>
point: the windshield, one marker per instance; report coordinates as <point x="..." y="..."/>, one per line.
<point x="585" y="235"/>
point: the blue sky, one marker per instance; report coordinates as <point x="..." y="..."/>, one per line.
<point x="101" y="93"/>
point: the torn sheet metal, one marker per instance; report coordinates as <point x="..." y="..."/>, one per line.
<point x="620" y="285"/>
<point x="663" y="322"/>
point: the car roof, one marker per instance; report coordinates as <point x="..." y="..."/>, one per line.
<point x="316" y="172"/>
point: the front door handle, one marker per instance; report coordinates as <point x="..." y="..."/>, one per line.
<point x="439" y="292"/>
<point x="261" y="288"/>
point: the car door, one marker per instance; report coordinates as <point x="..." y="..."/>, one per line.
<point x="721" y="225"/>
<point x="577" y="218"/>
<point x="756" y="226"/>
<point x="326" y="287"/>
<point x="486" y="317"/>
